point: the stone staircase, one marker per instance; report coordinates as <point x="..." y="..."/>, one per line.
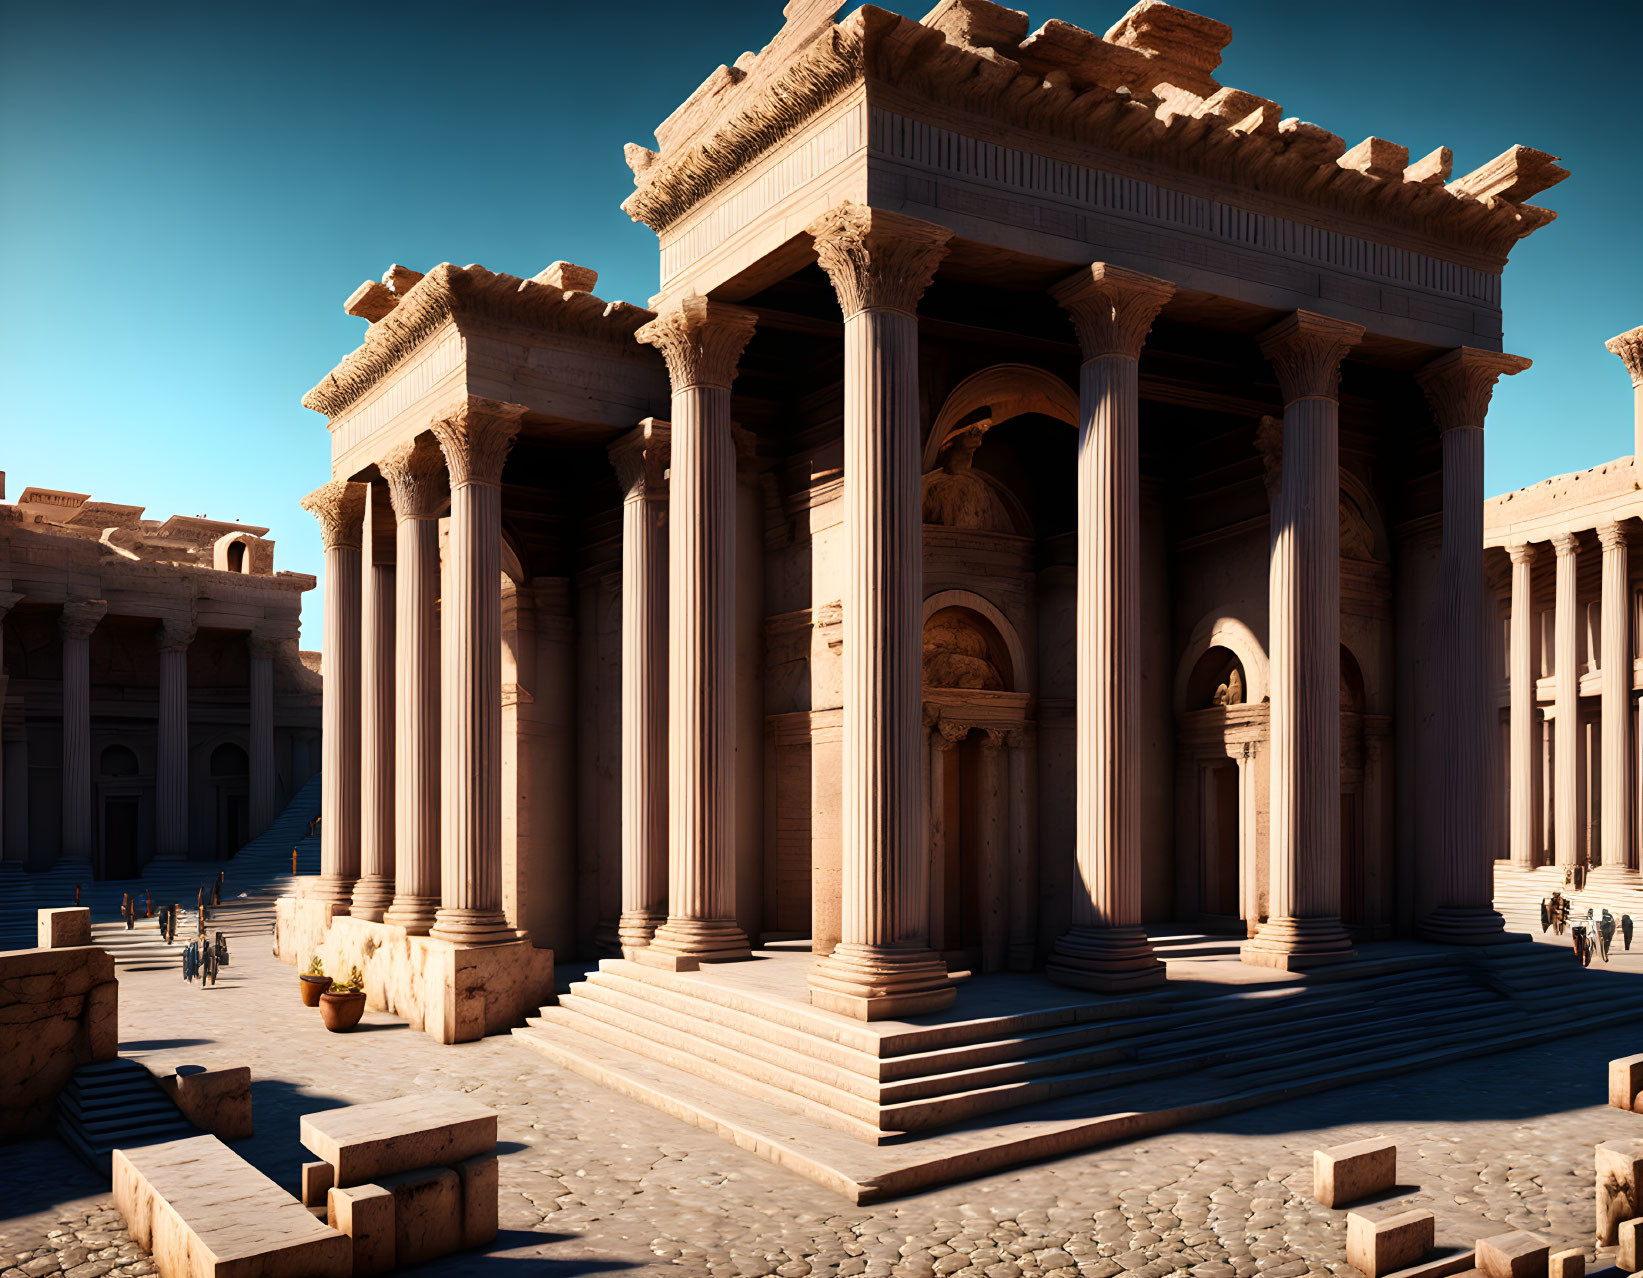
<point x="1518" y="895"/>
<point x="787" y="1081"/>
<point x="113" y="1105"/>
<point x="252" y="878"/>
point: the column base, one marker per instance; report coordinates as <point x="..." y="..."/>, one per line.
<point x="334" y="889"/>
<point x="636" y="928"/>
<point x="472" y="927"/>
<point x="413" y="915"/>
<point x="683" y="944"/>
<point x="880" y="982"/>
<point x="1105" y="959"/>
<point x="1291" y="944"/>
<point x="373" y="894"/>
<point x="1469" y="925"/>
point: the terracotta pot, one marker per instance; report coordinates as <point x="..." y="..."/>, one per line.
<point x="312" y="987"/>
<point x="341" y="1011"/>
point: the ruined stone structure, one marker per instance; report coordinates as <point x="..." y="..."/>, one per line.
<point x="1042" y="500"/>
<point x="154" y="700"/>
<point x="1567" y="599"/>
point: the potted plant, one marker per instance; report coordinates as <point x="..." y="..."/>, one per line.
<point x="341" y="1006"/>
<point x="313" y="982"/>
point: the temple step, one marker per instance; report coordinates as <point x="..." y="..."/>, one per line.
<point x="114" y="1105"/>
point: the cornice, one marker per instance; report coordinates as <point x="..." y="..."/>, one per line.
<point x="471" y="294"/>
<point x="1144" y="92"/>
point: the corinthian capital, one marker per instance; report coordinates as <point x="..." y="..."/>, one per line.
<point x="340" y="508"/>
<point x="641" y="458"/>
<point x="475" y="439"/>
<point x="264" y="645"/>
<point x="1613" y="535"/>
<point x="700" y="340"/>
<point x="415" y="474"/>
<point x="80" y="617"/>
<point x="1112" y="307"/>
<point x="877" y="260"/>
<point x="1521" y="552"/>
<point x="1629" y="346"/>
<point x="1306" y="350"/>
<point x="1459" y="383"/>
<point x="176" y="633"/>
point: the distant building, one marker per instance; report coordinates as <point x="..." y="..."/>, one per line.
<point x="154" y="700"/>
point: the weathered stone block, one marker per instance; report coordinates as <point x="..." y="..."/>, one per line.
<point x="1346" y="1173"/>
<point x="59" y="1009"/>
<point x="317" y="1179"/>
<point x="427" y="1214"/>
<point x="480" y="1182"/>
<point x="1518" y="1254"/>
<point x="1566" y="1264"/>
<point x="58" y="929"/>
<point x="1625" y="1081"/>
<point x="366" y="1214"/>
<point x="1619" y="1170"/>
<point x="1626" y="1257"/>
<point x="366" y="1142"/>
<point x="214" y="1100"/>
<point x="1380" y="1244"/>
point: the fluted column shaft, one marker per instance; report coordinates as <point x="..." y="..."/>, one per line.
<point x="1524" y="738"/>
<point x="1107" y="947"/>
<point x="475" y="441"/>
<point x="340" y="507"/>
<point x="1566" y="720"/>
<point x="260" y="731"/>
<point x="1616" y="670"/>
<point x="79" y="619"/>
<point x="641" y="460"/>
<point x="374" y="892"/>
<point x="1303" y="926"/>
<point x="702" y="342"/>
<point x="416" y="485"/>
<point x="171" y="772"/>
<point x="880" y="264"/>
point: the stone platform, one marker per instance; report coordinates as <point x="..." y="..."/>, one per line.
<point x="1021" y="1069"/>
<point x="455" y="993"/>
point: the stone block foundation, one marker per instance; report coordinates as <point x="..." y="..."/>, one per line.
<point x="454" y="993"/>
<point x="59" y="1009"/>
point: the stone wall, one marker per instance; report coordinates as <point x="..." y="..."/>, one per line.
<point x="59" y="1009"/>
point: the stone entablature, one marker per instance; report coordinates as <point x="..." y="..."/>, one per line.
<point x="1577" y="502"/>
<point x="1061" y="142"/>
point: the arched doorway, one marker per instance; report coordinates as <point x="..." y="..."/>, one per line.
<point x="231" y="786"/>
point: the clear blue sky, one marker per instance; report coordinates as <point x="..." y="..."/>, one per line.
<point x="188" y="192"/>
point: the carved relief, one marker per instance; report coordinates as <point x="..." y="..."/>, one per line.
<point x="959" y="653"/>
<point x="877" y="260"/>
<point x="955" y="496"/>
<point x="700" y="340"/>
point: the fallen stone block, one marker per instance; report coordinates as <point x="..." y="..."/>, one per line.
<point x="1625" y="1081"/>
<point x="204" y="1212"/>
<point x="1346" y="1173"/>
<point x="1631" y="1233"/>
<point x="317" y="1179"/>
<point x="214" y="1100"/>
<point x="480" y="1183"/>
<point x="58" y="929"/>
<point x="364" y="1143"/>
<point x="1619" y="1172"/>
<point x="1518" y="1254"/>
<point x="366" y="1214"/>
<point x="427" y="1214"/>
<point x="1381" y="1244"/>
<point x="1566" y="1264"/>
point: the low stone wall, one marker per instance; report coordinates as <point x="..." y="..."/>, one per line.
<point x="59" y="1009"/>
<point x="217" y="1101"/>
<point x="456" y="993"/>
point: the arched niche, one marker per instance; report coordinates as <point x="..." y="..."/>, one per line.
<point x="232" y="553"/>
<point x="1219" y="629"/>
<point x="118" y="761"/>
<point x="1000" y="642"/>
<point x="1217" y="680"/>
<point x="999" y="393"/>
<point x="229" y="760"/>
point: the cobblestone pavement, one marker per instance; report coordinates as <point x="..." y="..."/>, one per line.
<point x="593" y="1183"/>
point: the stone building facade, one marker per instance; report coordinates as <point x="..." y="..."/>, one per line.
<point x="155" y="701"/>
<point x="1043" y="499"/>
<point x="1568" y="597"/>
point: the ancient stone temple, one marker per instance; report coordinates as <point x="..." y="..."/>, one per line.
<point x="1567" y="599"/>
<point x="1042" y="501"/>
<point x="155" y="704"/>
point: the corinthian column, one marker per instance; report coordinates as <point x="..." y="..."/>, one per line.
<point x="1303" y="927"/>
<point x="1524" y="743"/>
<point x="1629" y="346"/>
<point x="641" y="461"/>
<point x="1616" y="670"/>
<point x="79" y="619"/>
<point x="171" y="774"/>
<point x="880" y="264"/>
<point x="340" y="508"/>
<point x="416" y="485"/>
<point x="1566" y="707"/>
<point x="260" y="729"/>
<point x="701" y="342"/>
<point x="1458" y="386"/>
<point x="1106" y="948"/>
<point x="475" y="440"/>
<point x="374" y="892"/>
